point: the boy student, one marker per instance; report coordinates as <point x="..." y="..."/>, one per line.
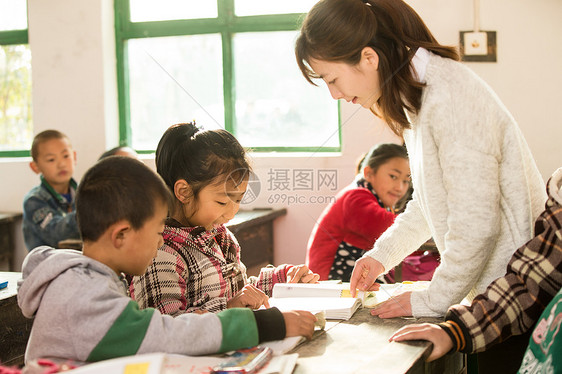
<point x="79" y="300"/>
<point x="49" y="209"/>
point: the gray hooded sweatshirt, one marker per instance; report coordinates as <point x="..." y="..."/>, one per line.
<point x="83" y="314"/>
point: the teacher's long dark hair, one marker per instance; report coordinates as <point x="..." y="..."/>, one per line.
<point x="338" y="30"/>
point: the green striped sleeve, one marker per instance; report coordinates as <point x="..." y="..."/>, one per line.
<point x="239" y="329"/>
<point x="126" y="334"/>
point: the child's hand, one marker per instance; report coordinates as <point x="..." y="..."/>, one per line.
<point x="249" y="297"/>
<point x="299" y="323"/>
<point x="442" y="343"/>
<point x="301" y="274"/>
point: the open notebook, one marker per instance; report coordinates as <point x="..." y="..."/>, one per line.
<point x="335" y="307"/>
<point x="334" y="299"/>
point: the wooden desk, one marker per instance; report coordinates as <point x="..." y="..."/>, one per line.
<point x="361" y="345"/>
<point x="7" y="233"/>
<point x="254" y="231"/>
<point x="14" y="327"/>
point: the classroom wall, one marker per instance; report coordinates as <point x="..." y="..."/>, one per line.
<point x="74" y="90"/>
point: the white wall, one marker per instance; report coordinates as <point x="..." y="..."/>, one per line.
<point x="74" y="90"/>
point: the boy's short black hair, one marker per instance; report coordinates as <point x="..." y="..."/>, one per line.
<point x="42" y="137"/>
<point x="113" y="151"/>
<point x="118" y="188"/>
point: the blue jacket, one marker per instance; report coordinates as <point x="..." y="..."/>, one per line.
<point x="48" y="217"/>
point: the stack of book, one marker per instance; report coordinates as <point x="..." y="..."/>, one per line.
<point x="334" y="298"/>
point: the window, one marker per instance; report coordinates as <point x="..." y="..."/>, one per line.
<point x="16" y="127"/>
<point x="227" y="64"/>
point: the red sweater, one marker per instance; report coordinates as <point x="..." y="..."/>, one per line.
<point x="355" y="218"/>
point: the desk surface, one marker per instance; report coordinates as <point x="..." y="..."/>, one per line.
<point x="254" y="217"/>
<point x="361" y="345"/>
<point x="9" y="217"/>
<point x="7" y="237"/>
<point x="14" y="327"/>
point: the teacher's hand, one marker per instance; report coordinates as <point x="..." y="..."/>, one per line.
<point x="396" y="306"/>
<point x="365" y="272"/>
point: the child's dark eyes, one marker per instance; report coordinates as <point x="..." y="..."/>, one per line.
<point x="221" y="203"/>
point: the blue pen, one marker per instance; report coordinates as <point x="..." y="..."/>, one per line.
<point x="3" y="284"/>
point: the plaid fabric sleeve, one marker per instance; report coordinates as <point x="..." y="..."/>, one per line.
<point x="512" y="304"/>
<point x="455" y="333"/>
<point x="165" y="285"/>
<point x="268" y="276"/>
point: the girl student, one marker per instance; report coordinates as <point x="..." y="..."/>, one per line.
<point x="349" y="226"/>
<point x="477" y="188"/>
<point x="198" y="268"/>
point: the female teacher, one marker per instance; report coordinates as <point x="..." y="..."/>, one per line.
<point x="477" y="190"/>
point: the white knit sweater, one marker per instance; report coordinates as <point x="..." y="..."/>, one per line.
<point x="477" y="190"/>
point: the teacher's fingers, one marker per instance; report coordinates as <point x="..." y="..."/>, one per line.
<point x="361" y="278"/>
<point x="354" y="280"/>
<point x="397" y="306"/>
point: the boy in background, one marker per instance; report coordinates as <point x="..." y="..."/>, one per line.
<point x="120" y="151"/>
<point x="49" y="209"/>
<point x="79" y="300"/>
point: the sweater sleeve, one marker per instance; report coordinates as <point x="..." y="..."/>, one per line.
<point x="407" y="234"/>
<point x="512" y="304"/>
<point x="210" y="333"/>
<point x="269" y="276"/>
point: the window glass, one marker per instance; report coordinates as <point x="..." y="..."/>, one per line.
<point x="16" y="129"/>
<point x="162" y="10"/>
<point x="275" y="105"/>
<point x="260" y="7"/>
<point x="13" y="15"/>
<point x="173" y="80"/>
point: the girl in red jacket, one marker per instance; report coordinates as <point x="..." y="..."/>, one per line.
<point x="360" y="214"/>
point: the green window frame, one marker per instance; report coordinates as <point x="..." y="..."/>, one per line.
<point x="13" y="37"/>
<point x="226" y="24"/>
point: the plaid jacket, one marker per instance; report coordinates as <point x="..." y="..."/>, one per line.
<point x="197" y="269"/>
<point x="512" y="304"/>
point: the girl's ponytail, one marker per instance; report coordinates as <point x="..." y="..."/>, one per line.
<point x="200" y="157"/>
